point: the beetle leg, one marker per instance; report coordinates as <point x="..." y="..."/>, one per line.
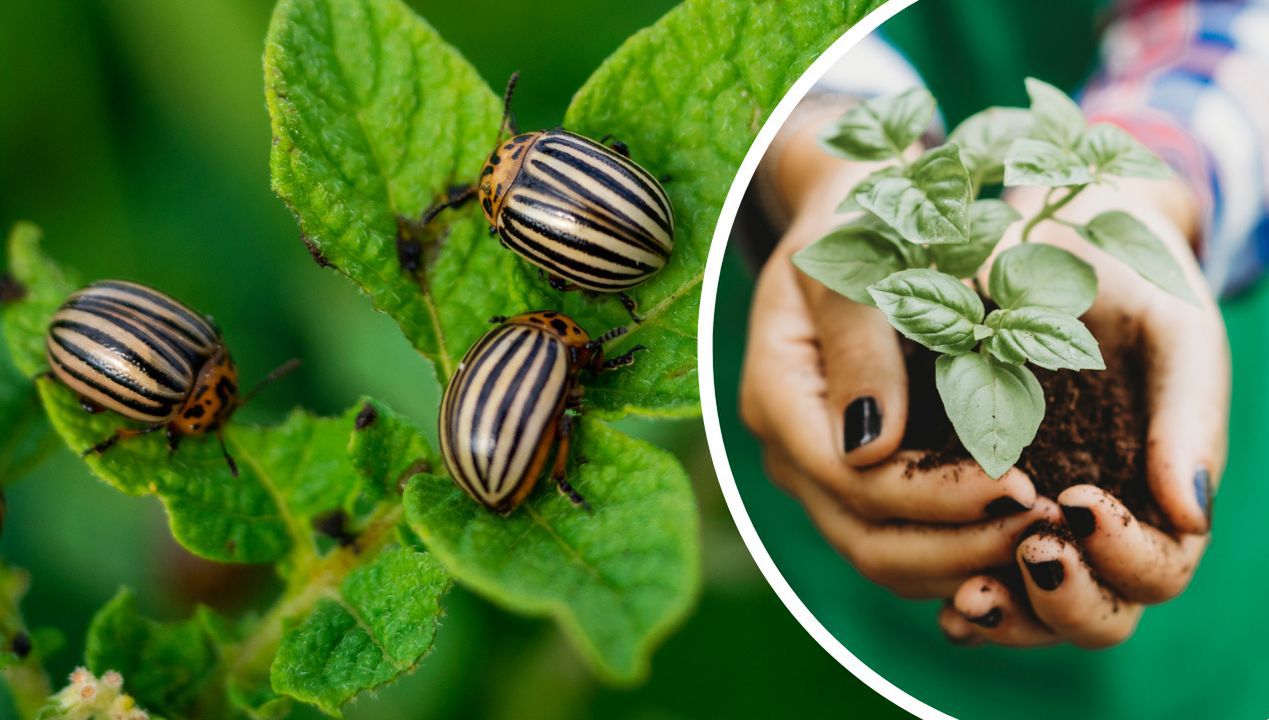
<point x="173" y="440"/>
<point x="558" y="284"/>
<point x="229" y="459"/>
<point x="609" y="336"/>
<point x="565" y="434"/>
<point x="89" y="406"/>
<point x="629" y="304"/>
<point x="622" y="360"/>
<point x="118" y="435"/>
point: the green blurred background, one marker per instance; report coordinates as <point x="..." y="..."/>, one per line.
<point x="1201" y="655"/>
<point x="135" y="133"/>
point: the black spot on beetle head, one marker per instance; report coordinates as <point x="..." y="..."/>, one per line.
<point x="195" y="412"/>
<point x="559" y="326"/>
<point x="366" y="417"/>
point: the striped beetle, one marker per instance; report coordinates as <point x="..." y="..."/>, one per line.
<point x="506" y="406"/>
<point x="583" y="212"/>
<point x="130" y="349"/>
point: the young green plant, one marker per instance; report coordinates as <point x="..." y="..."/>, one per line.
<point x="924" y="234"/>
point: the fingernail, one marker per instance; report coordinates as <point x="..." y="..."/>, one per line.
<point x="990" y="619"/>
<point x="1080" y="520"/>
<point x="863" y="422"/>
<point x="1203" y="492"/>
<point x="1048" y="575"/>
<point x="1003" y="506"/>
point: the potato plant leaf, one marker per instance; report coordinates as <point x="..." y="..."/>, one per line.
<point x="881" y="128"/>
<point x="1035" y="275"/>
<point x="380" y="624"/>
<point x="288" y="473"/>
<point x="995" y="407"/>
<point x="930" y="307"/>
<point x="374" y="117"/>
<point x="170" y="668"/>
<point x="617" y="580"/>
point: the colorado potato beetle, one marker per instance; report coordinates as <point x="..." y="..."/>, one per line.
<point x="132" y="350"/>
<point x="583" y="212"/>
<point x="508" y="406"/>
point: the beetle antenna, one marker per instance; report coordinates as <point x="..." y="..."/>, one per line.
<point x="229" y="459"/>
<point x="278" y="373"/>
<point x="508" y="119"/>
<point x="455" y="197"/>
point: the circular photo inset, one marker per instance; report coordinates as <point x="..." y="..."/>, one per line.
<point x="969" y="358"/>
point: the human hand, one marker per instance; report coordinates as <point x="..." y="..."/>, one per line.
<point x="1092" y="593"/>
<point x="825" y="391"/>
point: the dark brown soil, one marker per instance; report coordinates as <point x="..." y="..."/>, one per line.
<point x="1094" y="430"/>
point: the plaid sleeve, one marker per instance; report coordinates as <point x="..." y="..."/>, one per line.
<point x="1190" y="78"/>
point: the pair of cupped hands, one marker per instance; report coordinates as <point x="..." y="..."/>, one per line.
<point x="825" y="391"/>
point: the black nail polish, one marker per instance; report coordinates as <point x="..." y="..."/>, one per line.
<point x="1002" y="506"/>
<point x="1080" y="520"/>
<point x="1048" y="575"/>
<point x="1203" y="491"/>
<point x="990" y="619"/>
<point x="863" y="422"/>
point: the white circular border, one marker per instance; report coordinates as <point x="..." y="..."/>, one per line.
<point x="705" y="357"/>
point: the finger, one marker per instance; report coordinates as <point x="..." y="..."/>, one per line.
<point x="998" y="616"/>
<point x="866" y="377"/>
<point x="1188" y="386"/>
<point x="1066" y="597"/>
<point x="914" y="559"/>
<point x="783" y="392"/>
<point x="1141" y="562"/>
<point x="957" y="629"/>
<point x="901" y="489"/>
<point x="828" y="516"/>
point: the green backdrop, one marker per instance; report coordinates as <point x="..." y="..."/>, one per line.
<point x="135" y="133"/>
<point x="1202" y="655"/>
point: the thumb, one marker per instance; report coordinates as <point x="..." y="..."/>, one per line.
<point x="865" y="373"/>
<point x="1188" y="387"/>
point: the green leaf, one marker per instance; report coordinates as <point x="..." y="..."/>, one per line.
<point x="1038" y="162"/>
<point x="374" y="116"/>
<point x="930" y="307"/>
<point x="851" y="204"/>
<point x="854" y="256"/>
<point x="1112" y="151"/>
<point x="984" y="139"/>
<point x="27" y="438"/>
<point x="1049" y="338"/>
<point x="170" y="668"/>
<point x="1128" y="239"/>
<point x="1056" y="118"/>
<point x="1042" y="276"/>
<point x="988" y="220"/>
<point x="38" y="287"/>
<point x="25" y="680"/>
<point x="380" y="625"/>
<point x="994" y="407"/>
<point x="881" y="128"/>
<point x="617" y="580"/>
<point x="928" y="205"/>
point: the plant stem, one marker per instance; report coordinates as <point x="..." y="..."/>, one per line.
<point x="978" y="287"/>
<point x="1049" y="209"/>
<point x="28" y="686"/>
<point x="251" y="659"/>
